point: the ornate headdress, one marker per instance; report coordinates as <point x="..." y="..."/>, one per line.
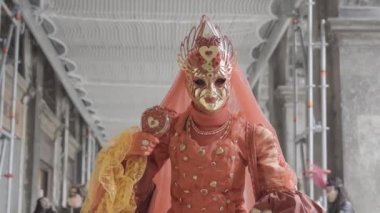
<point x="205" y="51"/>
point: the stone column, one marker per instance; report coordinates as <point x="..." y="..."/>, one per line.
<point x="358" y="42"/>
<point x="37" y="131"/>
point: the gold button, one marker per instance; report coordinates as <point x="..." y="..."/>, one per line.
<point x="189" y="206"/>
<point x="195" y="177"/>
<point x="186" y="191"/>
<point x="221" y="208"/>
<point x="203" y="209"/>
<point x="185" y="158"/>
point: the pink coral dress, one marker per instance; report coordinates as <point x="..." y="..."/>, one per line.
<point x="208" y="172"/>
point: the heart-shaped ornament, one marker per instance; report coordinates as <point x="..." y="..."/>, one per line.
<point x="152" y="123"/>
<point x="208" y="53"/>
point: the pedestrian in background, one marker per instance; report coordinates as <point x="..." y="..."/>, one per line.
<point x="75" y="200"/>
<point x="43" y="206"/>
<point x="337" y="197"/>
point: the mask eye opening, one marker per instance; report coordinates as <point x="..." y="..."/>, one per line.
<point x="199" y="82"/>
<point x="220" y="81"/>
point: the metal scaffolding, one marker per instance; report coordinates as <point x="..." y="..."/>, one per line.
<point x="2" y="86"/>
<point x="324" y="86"/>
<point x="312" y="127"/>
<point x="65" y="152"/>
<point x="8" y="135"/>
<point x="310" y="101"/>
<point x="89" y="158"/>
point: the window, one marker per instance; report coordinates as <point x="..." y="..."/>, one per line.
<point x="43" y="182"/>
<point x="49" y="87"/>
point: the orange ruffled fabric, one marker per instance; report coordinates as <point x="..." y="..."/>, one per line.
<point x="115" y="174"/>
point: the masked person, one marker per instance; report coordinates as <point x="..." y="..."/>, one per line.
<point x="206" y="148"/>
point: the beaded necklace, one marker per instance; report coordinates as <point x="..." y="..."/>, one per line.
<point x="225" y="127"/>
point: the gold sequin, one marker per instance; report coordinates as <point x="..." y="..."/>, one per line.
<point x="189" y="206"/>
<point x="185" y="158"/>
<point x="201" y="151"/>
<point x="219" y="150"/>
<point x="182" y="147"/>
<point x="203" y="209"/>
<point x="221" y="208"/>
<point x="186" y="191"/>
<point x="145" y="142"/>
<point x="195" y="177"/>
<point x="213" y="163"/>
<point x="213" y="184"/>
<point x="228" y="201"/>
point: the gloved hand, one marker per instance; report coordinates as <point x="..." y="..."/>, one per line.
<point x="143" y="144"/>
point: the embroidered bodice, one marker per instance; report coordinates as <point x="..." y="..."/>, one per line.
<point x="208" y="178"/>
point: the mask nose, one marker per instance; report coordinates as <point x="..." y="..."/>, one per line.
<point x="212" y="89"/>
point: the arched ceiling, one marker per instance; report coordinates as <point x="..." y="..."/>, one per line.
<point x="123" y="52"/>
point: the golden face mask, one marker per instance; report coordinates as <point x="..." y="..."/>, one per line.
<point x="207" y="57"/>
<point x="209" y="92"/>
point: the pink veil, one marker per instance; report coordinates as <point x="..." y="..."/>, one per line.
<point x="241" y="100"/>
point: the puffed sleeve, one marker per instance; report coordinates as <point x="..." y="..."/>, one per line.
<point x="121" y="182"/>
<point x="273" y="180"/>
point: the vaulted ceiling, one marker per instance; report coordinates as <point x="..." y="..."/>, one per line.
<point x="121" y="54"/>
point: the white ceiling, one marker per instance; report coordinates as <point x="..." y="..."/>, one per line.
<point x="125" y="51"/>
